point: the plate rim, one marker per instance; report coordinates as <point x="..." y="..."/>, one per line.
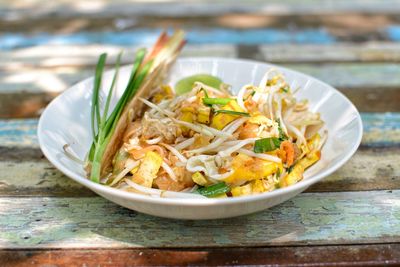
<point x="300" y="186"/>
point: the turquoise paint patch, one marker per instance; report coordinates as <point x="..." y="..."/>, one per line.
<point x="381" y="121"/>
<point x="18" y="132"/>
<point x="393" y="33"/>
<point x="148" y="36"/>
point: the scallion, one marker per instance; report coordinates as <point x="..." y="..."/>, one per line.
<point x="266" y="144"/>
<point x="104" y="127"/>
<point x="214" y="190"/>
<point x="282" y="135"/>
<point x="232" y="112"/>
<point x="216" y="101"/>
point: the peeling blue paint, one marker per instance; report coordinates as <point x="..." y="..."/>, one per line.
<point x="393" y="33"/>
<point x="383" y="121"/>
<point x="148" y="36"/>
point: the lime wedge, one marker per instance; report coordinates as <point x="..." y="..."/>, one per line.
<point x="186" y="84"/>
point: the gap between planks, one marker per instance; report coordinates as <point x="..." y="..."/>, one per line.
<point x="349" y="255"/>
<point x="335" y="218"/>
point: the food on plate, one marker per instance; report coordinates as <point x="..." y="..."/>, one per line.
<point x="196" y="138"/>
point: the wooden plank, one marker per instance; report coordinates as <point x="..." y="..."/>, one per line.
<point x="131" y="29"/>
<point x="351" y="255"/>
<point x="374" y="99"/>
<point x="231" y="28"/>
<point x="148" y="36"/>
<point x="371" y="169"/>
<point x="37" y="178"/>
<point x="339" y="52"/>
<point x="98" y="8"/>
<point x="353" y="75"/>
<point x="50" y="56"/>
<point x="310" y="218"/>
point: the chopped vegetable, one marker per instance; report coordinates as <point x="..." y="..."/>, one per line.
<point x="199" y="179"/>
<point x="266" y="144"/>
<point x="232" y="112"/>
<point x="282" y="135"/>
<point x="214" y="190"/>
<point x="216" y="101"/>
<point x="286" y="89"/>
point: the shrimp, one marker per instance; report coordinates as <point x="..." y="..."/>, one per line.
<point x="250" y="104"/>
<point x="288" y="154"/>
<point x="248" y="130"/>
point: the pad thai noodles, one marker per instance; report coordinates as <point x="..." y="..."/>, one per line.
<point x="198" y="139"/>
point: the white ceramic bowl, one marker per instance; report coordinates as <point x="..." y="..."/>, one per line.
<point x="67" y="120"/>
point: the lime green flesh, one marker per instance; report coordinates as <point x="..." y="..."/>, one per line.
<point x="186" y="84"/>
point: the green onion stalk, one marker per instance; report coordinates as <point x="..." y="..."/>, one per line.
<point x="104" y="125"/>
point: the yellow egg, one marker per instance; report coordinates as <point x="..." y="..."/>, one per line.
<point x="220" y="120"/>
<point x="246" y="168"/>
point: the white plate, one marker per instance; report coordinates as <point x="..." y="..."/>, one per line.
<point x="67" y="120"/>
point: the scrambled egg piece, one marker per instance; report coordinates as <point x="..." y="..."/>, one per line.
<point x="148" y="169"/>
<point x="220" y="120"/>
<point x="262" y="120"/>
<point x="246" y="168"/>
<point x="199" y="179"/>
<point x="254" y="187"/>
<point x="297" y="172"/>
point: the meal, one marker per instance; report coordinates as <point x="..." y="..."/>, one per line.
<point x="196" y="138"/>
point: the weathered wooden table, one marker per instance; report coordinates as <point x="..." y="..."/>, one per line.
<point x="350" y="218"/>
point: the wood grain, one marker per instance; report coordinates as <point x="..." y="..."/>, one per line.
<point x="309" y="218"/>
<point x="177" y="8"/>
<point x="20" y="8"/>
<point x="350" y="255"/>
